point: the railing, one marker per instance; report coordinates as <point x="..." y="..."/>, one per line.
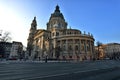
<point x="86" y="35"/>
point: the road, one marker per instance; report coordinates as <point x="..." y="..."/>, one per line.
<point x="90" y="70"/>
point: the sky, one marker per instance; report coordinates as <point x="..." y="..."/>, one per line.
<point x="99" y="17"/>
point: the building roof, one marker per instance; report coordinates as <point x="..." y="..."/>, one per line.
<point x="113" y="44"/>
<point x="57" y="13"/>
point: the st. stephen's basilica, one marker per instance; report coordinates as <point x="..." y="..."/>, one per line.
<point x="58" y="41"/>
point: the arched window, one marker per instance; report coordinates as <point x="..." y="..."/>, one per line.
<point x="82" y="48"/>
<point x="57" y="33"/>
<point x="64" y="58"/>
<point x="53" y="34"/>
<point x="59" y="25"/>
<point x="70" y="47"/>
<point x="64" y="48"/>
<point x="78" y="57"/>
<point x="70" y="57"/>
<point x="76" y="47"/>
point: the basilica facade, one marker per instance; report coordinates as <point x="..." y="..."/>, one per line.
<point x="58" y="41"/>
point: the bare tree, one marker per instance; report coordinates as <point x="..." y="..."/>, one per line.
<point x="5" y="37"/>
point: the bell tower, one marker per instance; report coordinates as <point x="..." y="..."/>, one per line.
<point x="31" y="36"/>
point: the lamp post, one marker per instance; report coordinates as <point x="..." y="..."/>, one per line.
<point x="45" y="54"/>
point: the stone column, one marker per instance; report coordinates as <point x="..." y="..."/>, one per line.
<point x="80" y="50"/>
<point x="54" y="46"/>
<point x="61" y="52"/>
<point x="73" y="43"/>
<point x="66" y="46"/>
<point x="85" y="44"/>
<point x="79" y="46"/>
<point x="91" y="54"/>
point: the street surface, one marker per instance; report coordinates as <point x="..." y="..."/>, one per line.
<point x="35" y="70"/>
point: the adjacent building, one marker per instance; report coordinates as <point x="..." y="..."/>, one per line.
<point x="100" y="52"/>
<point x="5" y="49"/>
<point x="11" y="50"/>
<point x="58" y="41"/>
<point x="16" y="50"/>
<point x="110" y="50"/>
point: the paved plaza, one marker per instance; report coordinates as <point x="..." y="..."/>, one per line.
<point x="36" y="70"/>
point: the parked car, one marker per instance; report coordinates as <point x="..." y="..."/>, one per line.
<point x="13" y="58"/>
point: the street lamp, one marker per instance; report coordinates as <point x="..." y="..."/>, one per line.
<point x="45" y="54"/>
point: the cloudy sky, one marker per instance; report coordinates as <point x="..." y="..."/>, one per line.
<point x="99" y="17"/>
